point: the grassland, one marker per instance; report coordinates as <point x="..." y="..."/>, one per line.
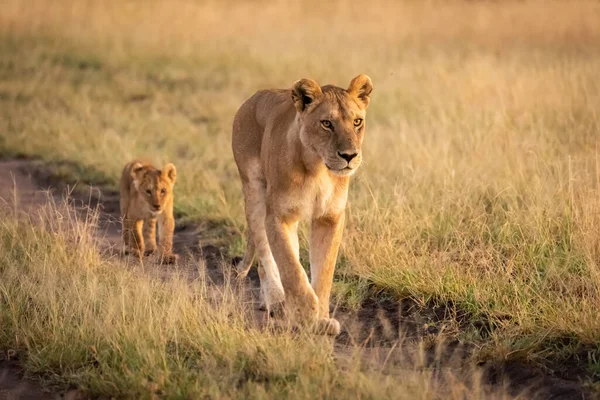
<point x="481" y="182"/>
<point x="100" y="325"/>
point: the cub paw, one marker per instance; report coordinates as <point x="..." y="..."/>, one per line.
<point x="133" y="252"/>
<point x="169" y="258"/>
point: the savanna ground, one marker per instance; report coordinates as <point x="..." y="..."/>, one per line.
<point x="478" y="203"/>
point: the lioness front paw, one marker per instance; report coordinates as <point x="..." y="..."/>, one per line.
<point x="328" y="326"/>
<point x="149" y="252"/>
<point x="303" y="306"/>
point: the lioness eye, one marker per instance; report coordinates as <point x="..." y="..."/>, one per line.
<point x="358" y="121"/>
<point x="326" y="124"/>
<point x="148" y="192"/>
<point x="163" y="192"/>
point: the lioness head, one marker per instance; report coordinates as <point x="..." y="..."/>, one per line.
<point x="333" y="121"/>
<point x="154" y="186"/>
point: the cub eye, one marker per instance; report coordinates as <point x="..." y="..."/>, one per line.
<point x="358" y="122"/>
<point x="148" y="192"/>
<point x="326" y="124"/>
<point x="163" y="191"/>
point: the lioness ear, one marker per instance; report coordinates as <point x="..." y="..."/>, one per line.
<point x="136" y="175"/>
<point x="170" y="172"/>
<point x="361" y="88"/>
<point x="305" y="92"/>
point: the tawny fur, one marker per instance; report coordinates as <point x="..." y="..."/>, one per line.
<point x="146" y="199"/>
<point x="295" y="151"/>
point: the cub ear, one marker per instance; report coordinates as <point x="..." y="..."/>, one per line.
<point x="137" y="174"/>
<point x="304" y="93"/>
<point x="361" y="88"/>
<point x="170" y="172"/>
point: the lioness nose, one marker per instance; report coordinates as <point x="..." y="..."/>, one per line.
<point x="156" y="206"/>
<point x="347" y="156"/>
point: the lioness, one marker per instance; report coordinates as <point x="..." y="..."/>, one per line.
<point x="146" y="195"/>
<point x="295" y="151"/>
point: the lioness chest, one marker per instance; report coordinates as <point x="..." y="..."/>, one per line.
<point x="315" y="197"/>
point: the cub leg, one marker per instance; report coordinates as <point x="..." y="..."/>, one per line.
<point x="126" y="233"/>
<point x="166" y="228"/>
<point x="132" y="236"/>
<point x="149" y="232"/>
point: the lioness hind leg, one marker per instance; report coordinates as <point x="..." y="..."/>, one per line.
<point x="276" y="309"/>
<point x="243" y="267"/>
<point x="255" y="208"/>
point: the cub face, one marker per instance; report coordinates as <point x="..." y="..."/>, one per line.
<point x="333" y="121"/>
<point x="154" y="186"/>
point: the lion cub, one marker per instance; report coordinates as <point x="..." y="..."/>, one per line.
<point x="146" y="195"/>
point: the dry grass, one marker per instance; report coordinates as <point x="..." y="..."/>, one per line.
<point x="481" y="183"/>
<point x="102" y="325"/>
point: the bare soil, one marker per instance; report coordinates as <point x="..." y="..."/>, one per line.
<point x="388" y="331"/>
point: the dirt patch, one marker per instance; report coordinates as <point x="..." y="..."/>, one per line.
<point x="14" y="386"/>
<point x="389" y="334"/>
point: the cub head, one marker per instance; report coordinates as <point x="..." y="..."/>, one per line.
<point x="332" y="121"/>
<point x="154" y="186"/>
